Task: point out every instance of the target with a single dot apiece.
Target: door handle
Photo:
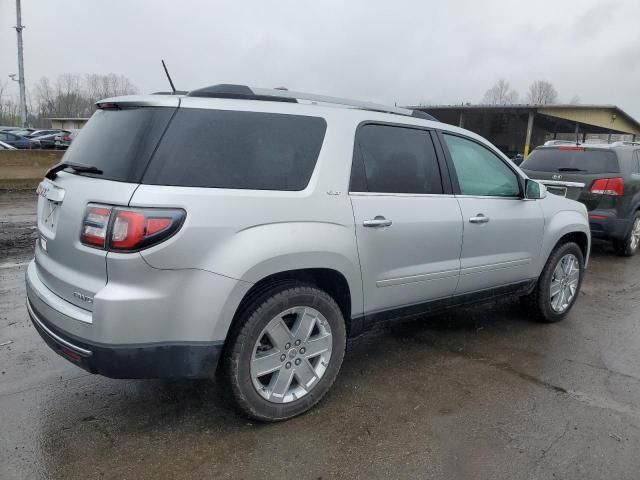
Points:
(378, 221)
(480, 218)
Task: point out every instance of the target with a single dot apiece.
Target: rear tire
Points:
(279, 333)
(558, 286)
(628, 246)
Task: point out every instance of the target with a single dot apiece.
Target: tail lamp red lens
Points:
(124, 229)
(608, 186)
(94, 226)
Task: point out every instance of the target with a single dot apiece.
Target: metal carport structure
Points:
(519, 128)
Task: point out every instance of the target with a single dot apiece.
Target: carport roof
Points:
(68, 118)
(602, 117)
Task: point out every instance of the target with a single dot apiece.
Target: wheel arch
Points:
(565, 226)
(580, 238)
(329, 280)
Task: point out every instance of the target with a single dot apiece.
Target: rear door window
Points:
(120, 142)
(578, 160)
(234, 149)
(394, 159)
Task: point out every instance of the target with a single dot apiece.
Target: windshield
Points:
(120, 142)
(571, 160)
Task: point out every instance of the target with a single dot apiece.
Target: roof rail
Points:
(619, 144)
(560, 142)
(277, 95)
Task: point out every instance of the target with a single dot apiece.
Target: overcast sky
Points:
(388, 51)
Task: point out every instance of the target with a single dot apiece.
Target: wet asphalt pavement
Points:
(480, 393)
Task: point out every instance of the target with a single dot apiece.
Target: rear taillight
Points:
(126, 230)
(608, 186)
(94, 226)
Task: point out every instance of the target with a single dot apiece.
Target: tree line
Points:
(68, 95)
(72, 95)
(540, 92)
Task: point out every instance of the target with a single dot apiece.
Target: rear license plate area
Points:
(49, 204)
(49, 215)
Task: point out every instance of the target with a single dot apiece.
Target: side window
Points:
(480, 171)
(636, 161)
(389, 159)
(3, 136)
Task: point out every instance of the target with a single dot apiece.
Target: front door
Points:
(409, 232)
(502, 231)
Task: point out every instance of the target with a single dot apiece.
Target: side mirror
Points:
(534, 190)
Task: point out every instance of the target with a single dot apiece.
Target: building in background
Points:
(66, 123)
(518, 129)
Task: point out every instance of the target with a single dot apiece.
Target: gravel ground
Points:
(481, 393)
(17, 225)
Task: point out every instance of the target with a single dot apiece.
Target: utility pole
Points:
(23, 96)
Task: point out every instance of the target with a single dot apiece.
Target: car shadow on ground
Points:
(139, 405)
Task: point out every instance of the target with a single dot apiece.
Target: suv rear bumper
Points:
(136, 360)
(131, 361)
(607, 225)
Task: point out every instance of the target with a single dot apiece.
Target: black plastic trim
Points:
(238, 92)
(423, 115)
(408, 312)
(155, 360)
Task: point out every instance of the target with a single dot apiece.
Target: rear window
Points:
(232, 149)
(559, 160)
(120, 142)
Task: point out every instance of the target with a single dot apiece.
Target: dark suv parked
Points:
(606, 178)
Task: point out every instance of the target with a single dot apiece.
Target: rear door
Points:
(502, 231)
(119, 142)
(408, 227)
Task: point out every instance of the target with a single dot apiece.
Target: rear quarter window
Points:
(568, 160)
(239, 150)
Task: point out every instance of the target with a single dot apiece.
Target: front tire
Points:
(286, 352)
(628, 246)
(558, 285)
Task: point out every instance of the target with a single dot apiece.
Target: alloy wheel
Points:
(564, 282)
(291, 354)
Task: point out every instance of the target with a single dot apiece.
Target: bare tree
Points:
(70, 98)
(500, 94)
(575, 100)
(542, 93)
(9, 108)
(111, 85)
(75, 96)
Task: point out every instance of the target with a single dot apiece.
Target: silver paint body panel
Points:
(188, 288)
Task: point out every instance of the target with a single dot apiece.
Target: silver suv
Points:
(249, 232)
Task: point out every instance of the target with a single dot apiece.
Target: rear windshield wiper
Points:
(570, 169)
(78, 167)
